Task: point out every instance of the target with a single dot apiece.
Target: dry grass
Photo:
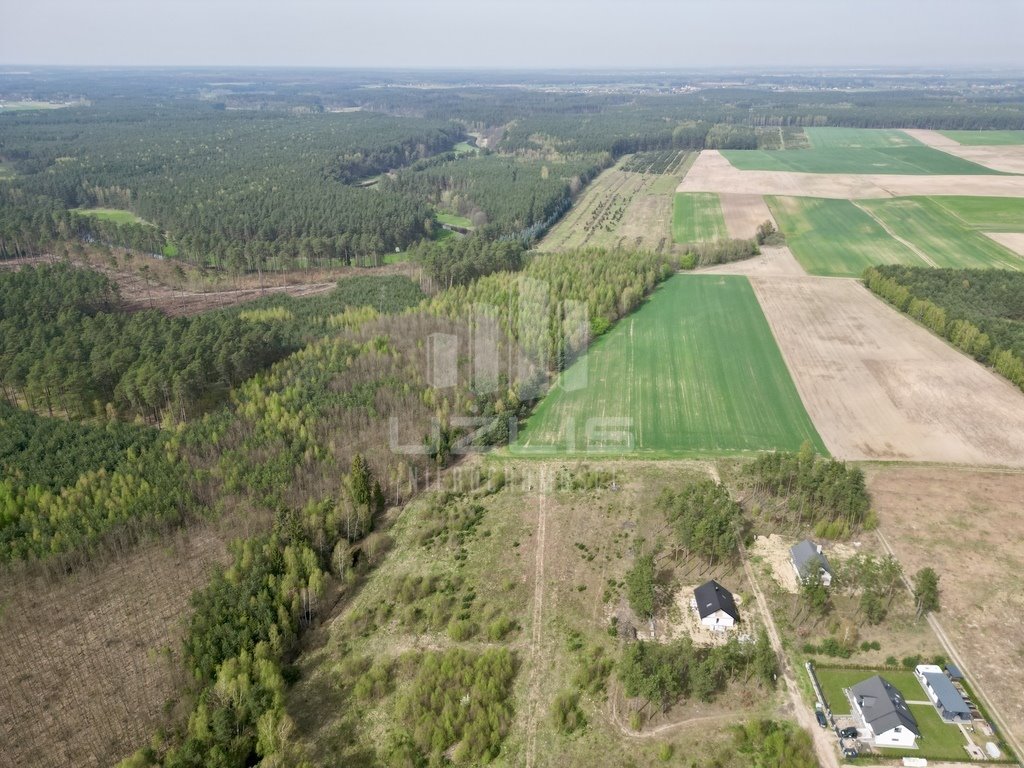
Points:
(967, 525)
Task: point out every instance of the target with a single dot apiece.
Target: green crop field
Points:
(985, 138)
(987, 214)
(836, 238)
(857, 150)
(697, 218)
(945, 239)
(115, 215)
(839, 238)
(694, 371)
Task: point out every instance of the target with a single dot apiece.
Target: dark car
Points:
(849, 752)
(848, 733)
(821, 718)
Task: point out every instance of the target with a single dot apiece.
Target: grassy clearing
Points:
(857, 150)
(836, 238)
(947, 240)
(28, 105)
(695, 371)
(6, 172)
(464, 148)
(453, 220)
(985, 138)
(697, 218)
(115, 215)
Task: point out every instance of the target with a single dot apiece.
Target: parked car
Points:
(848, 733)
(820, 715)
(849, 752)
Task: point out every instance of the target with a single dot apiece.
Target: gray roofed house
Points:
(885, 712)
(946, 697)
(805, 556)
(715, 605)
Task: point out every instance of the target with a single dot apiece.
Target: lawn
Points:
(697, 218)
(836, 238)
(938, 740)
(834, 679)
(694, 371)
(115, 215)
(454, 221)
(934, 230)
(985, 138)
(857, 150)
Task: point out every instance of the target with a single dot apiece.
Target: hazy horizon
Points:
(529, 35)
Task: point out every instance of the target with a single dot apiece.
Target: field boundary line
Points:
(921, 254)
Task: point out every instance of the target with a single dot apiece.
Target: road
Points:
(825, 744)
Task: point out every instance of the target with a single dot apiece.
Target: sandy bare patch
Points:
(1012, 240)
(776, 261)
(713, 173)
(967, 525)
(1008, 158)
(775, 551)
(744, 214)
(879, 386)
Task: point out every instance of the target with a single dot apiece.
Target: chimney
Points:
(818, 547)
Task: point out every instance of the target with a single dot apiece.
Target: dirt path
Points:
(950, 649)
(538, 616)
(823, 739)
(920, 254)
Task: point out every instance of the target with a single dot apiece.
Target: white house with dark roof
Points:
(943, 694)
(715, 606)
(805, 557)
(888, 720)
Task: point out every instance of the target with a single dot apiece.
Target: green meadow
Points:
(857, 150)
(694, 371)
(697, 218)
(115, 215)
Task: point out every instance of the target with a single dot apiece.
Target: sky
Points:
(500, 34)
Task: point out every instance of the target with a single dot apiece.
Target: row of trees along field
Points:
(517, 197)
(980, 311)
(802, 489)
(533, 307)
(234, 189)
(65, 347)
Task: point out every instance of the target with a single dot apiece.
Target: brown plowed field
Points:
(1007, 158)
(879, 386)
(713, 173)
(744, 214)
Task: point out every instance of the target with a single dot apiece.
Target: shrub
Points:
(566, 714)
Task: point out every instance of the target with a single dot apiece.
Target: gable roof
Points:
(711, 597)
(805, 554)
(949, 697)
(883, 705)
